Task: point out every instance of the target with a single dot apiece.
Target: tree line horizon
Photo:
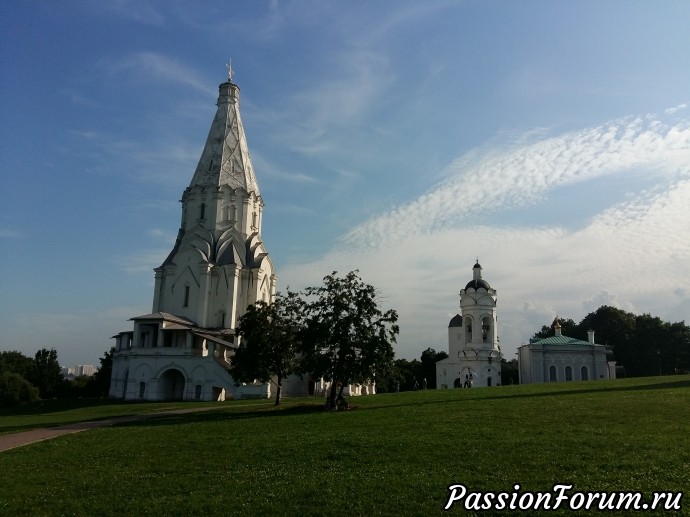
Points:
(338, 332)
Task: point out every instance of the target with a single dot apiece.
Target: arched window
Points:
(486, 329)
(584, 373)
(568, 373)
(202, 212)
(552, 374)
(468, 330)
(142, 389)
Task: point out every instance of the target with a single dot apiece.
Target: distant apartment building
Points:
(78, 370)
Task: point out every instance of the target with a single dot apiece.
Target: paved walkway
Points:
(12, 441)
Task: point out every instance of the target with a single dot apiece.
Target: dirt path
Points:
(12, 441)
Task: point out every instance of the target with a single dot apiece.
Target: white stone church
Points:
(217, 268)
(474, 355)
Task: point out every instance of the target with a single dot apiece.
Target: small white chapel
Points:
(561, 358)
(474, 355)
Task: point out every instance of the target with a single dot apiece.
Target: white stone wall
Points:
(536, 362)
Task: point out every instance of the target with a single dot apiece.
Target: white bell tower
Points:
(473, 349)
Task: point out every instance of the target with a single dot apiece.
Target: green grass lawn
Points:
(392, 454)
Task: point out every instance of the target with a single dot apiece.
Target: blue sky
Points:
(400, 138)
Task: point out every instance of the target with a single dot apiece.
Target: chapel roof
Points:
(560, 340)
(225, 159)
(455, 321)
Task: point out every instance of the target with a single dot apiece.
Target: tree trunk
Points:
(279, 389)
(331, 395)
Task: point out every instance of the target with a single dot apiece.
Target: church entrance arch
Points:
(171, 385)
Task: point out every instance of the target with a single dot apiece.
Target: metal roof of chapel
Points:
(560, 340)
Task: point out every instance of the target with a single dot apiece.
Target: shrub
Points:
(15, 389)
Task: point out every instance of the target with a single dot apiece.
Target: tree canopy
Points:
(270, 341)
(348, 339)
(336, 331)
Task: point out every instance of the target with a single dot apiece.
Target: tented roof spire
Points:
(225, 159)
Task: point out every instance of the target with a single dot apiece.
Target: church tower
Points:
(473, 349)
(217, 268)
(218, 265)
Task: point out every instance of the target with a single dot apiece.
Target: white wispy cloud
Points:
(629, 254)
(156, 66)
(8, 233)
(162, 235)
(671, 111)
(323, 114)
(520, 176)
(288, 208)
(139, 11)
(143, 262)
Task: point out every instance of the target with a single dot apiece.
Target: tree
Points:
(400, 377)
(99, 384)
(568, 328)
(47, 374)
(348, 339)
(509, 372)
(429, 359)
(15, 389)
(16, 362)
(270, 337)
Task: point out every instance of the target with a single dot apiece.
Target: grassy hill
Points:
(391, 454)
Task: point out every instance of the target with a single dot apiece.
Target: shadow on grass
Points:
(231, 411)
(55, 406)
(223, 415)
(479, 394)
(48, 412)
(229, 414)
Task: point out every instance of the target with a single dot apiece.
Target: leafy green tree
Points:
(348, 339)
(270, 341)
(568, 328)
(429, 359)
(401, 376)
(99, 384)
(16, 362)
(676, 358)
(509, 372)
(15, 389)
(47, 374)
